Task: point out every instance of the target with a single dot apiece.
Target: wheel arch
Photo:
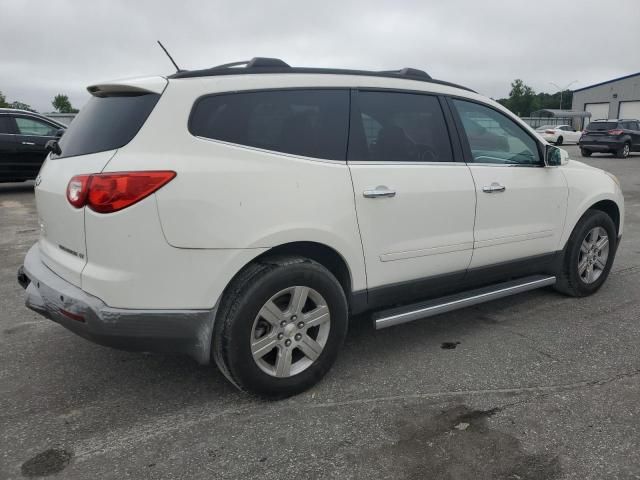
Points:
(610, 208)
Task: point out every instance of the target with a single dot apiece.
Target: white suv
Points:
(242, 213)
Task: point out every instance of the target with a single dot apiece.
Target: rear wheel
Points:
(280, 326)
(623, 152)
(588, 256)
(585, 153)
(559, 141)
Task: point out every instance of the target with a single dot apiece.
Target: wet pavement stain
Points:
(457, 444)
(46, 463)
(449, 345)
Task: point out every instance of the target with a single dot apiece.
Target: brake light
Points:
(615, 132)
(110, 192)
(549, 131)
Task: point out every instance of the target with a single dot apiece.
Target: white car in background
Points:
(559, 134)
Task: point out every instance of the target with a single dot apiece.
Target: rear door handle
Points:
(28, 143)
(495, 187)
(381, 191)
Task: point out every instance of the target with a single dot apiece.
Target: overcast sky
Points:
(61, 46)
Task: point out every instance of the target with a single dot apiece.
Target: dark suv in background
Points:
(23, 137)
(611, 136)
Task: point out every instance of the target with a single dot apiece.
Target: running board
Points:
(416, 311)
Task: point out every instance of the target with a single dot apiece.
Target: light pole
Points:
(562, 89)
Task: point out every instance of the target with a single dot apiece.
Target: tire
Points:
(249, 324)
(585, 153)
(623, 152)
(559, 141)
(572, 278)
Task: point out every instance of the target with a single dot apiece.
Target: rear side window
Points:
(399, 127)
(107, 123)
(311, 123)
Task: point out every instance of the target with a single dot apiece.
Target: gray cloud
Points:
(64, 45)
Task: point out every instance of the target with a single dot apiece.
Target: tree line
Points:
(60, 102)
(523, 100)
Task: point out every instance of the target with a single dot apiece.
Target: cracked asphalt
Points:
(540, 386)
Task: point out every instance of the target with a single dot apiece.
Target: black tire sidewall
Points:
(559, 141)
(585, 153)
(237, 333)
(591, 219)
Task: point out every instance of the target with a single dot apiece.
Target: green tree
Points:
(21, 106)
(3, 101)
(62, 104)
(522, 99)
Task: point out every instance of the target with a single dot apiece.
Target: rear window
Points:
(311, 123)
(602, 126)
(107, 123)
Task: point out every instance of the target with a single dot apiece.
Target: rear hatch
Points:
(111, 118)
(599, 130)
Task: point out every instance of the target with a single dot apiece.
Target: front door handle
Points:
(28, 143)
(495, 187)
(381, 191)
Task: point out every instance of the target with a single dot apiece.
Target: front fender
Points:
(588, 186)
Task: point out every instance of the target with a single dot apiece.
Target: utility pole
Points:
(562, 89)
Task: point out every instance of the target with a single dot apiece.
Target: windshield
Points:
(107, 123)
(601, 126)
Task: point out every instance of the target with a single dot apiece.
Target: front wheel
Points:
(588, 256)
(280, 326)
(585, 153)
(559, 141)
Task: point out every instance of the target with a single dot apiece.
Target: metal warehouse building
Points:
(617, 98)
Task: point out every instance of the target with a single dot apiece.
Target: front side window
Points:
(29, 126)
(311, 123)
(495, 138)
(399, 127)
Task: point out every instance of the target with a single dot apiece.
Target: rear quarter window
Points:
(311, 123)
(106, 123)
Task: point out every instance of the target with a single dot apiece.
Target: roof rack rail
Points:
(257, 62)
(275, 65)
(408, 72)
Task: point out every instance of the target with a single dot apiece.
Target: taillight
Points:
(549, 131)
(77, 190)
(615, 132)
(110, 192)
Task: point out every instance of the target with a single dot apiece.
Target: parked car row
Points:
(23, 139)
(618, 136)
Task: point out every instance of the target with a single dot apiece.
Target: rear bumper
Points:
(600, 146)
(170, 331)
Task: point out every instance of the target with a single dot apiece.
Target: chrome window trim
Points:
(391, 162)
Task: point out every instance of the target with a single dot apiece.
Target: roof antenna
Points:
(170, 57)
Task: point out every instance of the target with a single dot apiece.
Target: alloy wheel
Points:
(290, 331)
(594, 252)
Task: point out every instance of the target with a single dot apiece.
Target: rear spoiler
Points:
(134, 86)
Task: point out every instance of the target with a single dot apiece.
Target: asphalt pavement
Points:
(535, 386)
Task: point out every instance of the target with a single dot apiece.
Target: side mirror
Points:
(554, 156)
(53, 147)
(60, 132)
